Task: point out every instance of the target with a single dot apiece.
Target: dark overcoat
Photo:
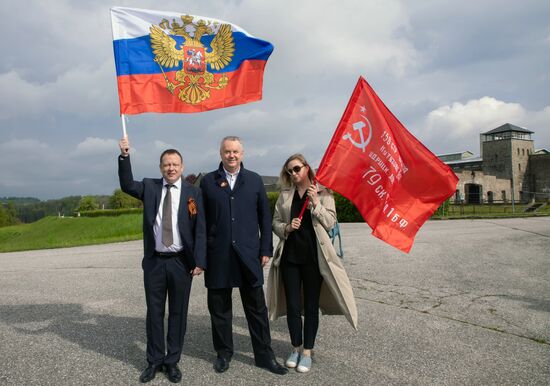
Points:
(191, 227)
(237, 220)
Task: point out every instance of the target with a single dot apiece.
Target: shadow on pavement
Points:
(121, 338)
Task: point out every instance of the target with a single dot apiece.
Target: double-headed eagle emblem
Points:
(193, 80)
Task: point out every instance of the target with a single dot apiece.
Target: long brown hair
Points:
(284, 179)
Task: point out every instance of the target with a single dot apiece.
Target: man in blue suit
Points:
(174, 244)
(239, 244)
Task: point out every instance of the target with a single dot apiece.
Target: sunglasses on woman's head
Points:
(295, 169)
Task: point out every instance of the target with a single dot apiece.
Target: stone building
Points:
(507, 169)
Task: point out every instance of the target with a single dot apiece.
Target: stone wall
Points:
(537, 178)
(488, 183)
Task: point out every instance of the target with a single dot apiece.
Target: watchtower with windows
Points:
(505, 152)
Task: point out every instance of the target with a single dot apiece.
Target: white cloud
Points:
(96, 146)
(23, 97)
(24, 162)
(238, 123)
(161, 145)
(49, 38)
(323, 37)
(459, 120)
(47, 170)
(457, 126)
(80, 91)
(27, 147)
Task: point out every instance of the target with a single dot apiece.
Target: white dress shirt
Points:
(177, 245)
(231, 177)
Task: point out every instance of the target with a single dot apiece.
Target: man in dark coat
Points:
(174, 243)
(239, 244)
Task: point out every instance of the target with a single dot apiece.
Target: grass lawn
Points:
(490, 211)
(56, 232)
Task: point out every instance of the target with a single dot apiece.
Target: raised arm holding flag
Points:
(174, 244)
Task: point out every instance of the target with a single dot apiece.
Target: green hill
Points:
(57, 232)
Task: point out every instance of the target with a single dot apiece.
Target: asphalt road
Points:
(470, 305)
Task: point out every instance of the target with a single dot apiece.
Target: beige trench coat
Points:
(336, 293)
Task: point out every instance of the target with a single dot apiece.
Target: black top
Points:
(301, 244)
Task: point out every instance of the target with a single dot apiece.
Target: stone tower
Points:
(505, 152)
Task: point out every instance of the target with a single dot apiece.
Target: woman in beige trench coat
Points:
(307, 275)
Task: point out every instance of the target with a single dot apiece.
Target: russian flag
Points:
(168, 62)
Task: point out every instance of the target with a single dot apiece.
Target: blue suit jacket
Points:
(191, 228)
(238, 219)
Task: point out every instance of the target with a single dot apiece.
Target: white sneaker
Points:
(304, 365)
(292, 359)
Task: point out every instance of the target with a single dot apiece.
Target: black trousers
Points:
(298, 277)
(166, 276)
(221, 316)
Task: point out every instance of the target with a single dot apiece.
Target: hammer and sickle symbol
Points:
(359, 125)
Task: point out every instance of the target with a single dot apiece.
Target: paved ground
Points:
(470, 305)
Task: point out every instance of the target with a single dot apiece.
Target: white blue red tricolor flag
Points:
(168, 62)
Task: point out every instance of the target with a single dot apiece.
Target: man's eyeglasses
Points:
(296, 169)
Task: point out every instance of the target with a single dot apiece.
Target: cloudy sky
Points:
(448, 70)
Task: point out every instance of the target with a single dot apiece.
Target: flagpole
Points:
(124, 134)
(304, 208)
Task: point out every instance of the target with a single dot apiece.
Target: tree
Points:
(120, 200)
(87, 203)
(7, 215)
(4, 220)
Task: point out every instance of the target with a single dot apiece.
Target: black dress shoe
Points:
(172, 372)
(221, 365)
(273, 366)
(149, 373)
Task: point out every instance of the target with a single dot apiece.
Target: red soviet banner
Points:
(395, 182)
